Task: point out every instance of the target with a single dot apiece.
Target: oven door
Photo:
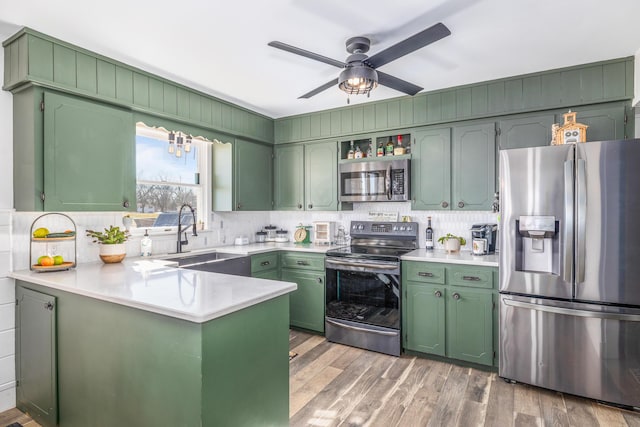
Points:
(363, 303)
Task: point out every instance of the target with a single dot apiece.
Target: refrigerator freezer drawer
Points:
(583, 349)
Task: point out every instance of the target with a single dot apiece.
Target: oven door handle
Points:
(388, 266)
(355, 328)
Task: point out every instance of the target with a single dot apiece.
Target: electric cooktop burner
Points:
(369, 252)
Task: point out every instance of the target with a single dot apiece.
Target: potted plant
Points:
(111, 241)
(452, 242)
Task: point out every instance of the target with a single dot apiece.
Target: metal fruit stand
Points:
(51, 242)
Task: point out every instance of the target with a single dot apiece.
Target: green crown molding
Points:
(594, 83)
(33, 58)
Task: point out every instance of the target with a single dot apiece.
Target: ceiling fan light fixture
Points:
(358, 79)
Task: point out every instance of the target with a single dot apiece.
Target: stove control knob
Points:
(395, 228)
(402, 228)
(408, 228)
(360, 227)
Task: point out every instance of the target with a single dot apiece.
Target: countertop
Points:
(159, 287)
(257, 248)
(463, 257)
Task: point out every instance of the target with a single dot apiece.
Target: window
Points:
(166, 178)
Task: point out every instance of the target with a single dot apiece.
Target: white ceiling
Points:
(221, 48)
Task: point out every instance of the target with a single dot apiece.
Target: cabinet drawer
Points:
(477, 277)
(424, 272)
(264, 262)
(302, 261)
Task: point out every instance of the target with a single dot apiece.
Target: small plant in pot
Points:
(111, 241)
(452, 242)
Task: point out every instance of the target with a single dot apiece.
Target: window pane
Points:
(155, 163)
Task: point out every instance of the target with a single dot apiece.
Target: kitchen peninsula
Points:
(144, 342)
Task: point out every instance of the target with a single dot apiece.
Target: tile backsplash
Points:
(224, 227)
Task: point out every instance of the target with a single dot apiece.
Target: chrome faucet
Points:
(180, 230)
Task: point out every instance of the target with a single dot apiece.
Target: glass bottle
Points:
(429, 235)
(389, 149)
(399, 149)
(351, 153)
(380, 150)
(370, 150)
(358, 153)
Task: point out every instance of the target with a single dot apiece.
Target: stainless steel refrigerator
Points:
(570, 269)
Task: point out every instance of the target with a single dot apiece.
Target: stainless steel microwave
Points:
(375, 181)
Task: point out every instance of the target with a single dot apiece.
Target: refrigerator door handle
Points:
(573, 312)
(581, 226)
(567, 269)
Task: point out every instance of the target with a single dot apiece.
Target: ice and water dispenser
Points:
(537, 244)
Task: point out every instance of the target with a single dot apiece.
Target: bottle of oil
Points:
(429, 235)
(389, 148)
(351, 154)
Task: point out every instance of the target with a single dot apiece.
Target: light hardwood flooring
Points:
(332, 385)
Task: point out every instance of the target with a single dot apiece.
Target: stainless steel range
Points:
(363, 286)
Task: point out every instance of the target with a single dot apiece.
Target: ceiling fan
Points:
(360, 74)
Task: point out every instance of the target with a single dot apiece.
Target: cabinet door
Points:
(604, 123)
(424, 318)
(89, 152)
(306, 304)
(473, 166)
(431, 169)
(528, 131)
(470, 325)
(36, 356)
(268, 274)
(253, 176)
(321, 176)
(289, 177)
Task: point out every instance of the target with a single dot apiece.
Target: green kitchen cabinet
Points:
(431, 169)
(252, 176)
(289, 177)
(605, 122)
(424, 320)
(469, 325)
(74, 155)
(473, 165)
(306, 304)
(36, 368)
(449, 310)
(266, 266)
(525, 131)
(321, 176)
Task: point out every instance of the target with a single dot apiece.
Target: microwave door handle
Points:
(387, 182)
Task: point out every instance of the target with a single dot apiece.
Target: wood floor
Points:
(332, 384)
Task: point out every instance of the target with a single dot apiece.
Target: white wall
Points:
(7, 292)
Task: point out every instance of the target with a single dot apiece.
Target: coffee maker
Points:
(483, 239)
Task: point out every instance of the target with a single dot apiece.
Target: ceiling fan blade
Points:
(317, 90)
(397, 84)
(413, 43)
(306, 53)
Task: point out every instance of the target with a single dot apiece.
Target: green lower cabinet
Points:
(424, 320)
(36, 369)
(470, 324)
(269, 274)
(306, 304)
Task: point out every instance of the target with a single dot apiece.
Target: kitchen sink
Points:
(215, 262)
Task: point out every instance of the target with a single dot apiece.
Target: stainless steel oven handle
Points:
(362, 264)
(355, 328)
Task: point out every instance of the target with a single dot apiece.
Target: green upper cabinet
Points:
(525, 131)
(321, 176)
(289, 177)
(431, 169)
(473, 166)
(89, 156)
(253, 176)
(605, 123)
(306, 176)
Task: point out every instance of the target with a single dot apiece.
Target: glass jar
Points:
(271, 233)
(261, 236)
(282, 236)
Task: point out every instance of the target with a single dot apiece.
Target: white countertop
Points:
(462, 257)
(257, 248)
(156, 286)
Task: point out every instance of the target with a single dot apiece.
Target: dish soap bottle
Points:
(145, 244)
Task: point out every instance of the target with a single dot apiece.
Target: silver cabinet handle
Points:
(567, 267)
(319, 280)
(299, 205)
(461, 204)
(438, 294)
(238, 206)
(425, 274)
(444, 204)
(310, 205)
(48, 306)
(302, 262)
(456, 296)
(125, 204)
(471, 278)
(263, 263)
